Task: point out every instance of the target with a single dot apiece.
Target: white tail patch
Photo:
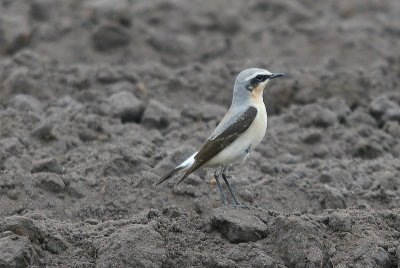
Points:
(188, 162)
(185, 165)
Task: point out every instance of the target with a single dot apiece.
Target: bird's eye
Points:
(260, 78)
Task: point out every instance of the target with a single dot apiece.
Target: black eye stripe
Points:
(261, 78)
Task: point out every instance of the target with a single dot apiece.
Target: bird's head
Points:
(250, 84)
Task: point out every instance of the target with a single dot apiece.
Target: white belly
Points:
(249, 139)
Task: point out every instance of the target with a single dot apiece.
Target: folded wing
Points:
(230, 131)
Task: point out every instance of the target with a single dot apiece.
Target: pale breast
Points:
(259, 127)
(250, 138)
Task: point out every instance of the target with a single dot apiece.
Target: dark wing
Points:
(216, 144)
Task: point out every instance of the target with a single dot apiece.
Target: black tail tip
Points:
(160, 181)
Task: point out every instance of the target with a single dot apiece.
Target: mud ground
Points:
(98, 99)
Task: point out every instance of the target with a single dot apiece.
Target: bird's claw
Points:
(238, 205)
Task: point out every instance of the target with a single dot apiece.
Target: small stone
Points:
(39, 10)
(359, 117)
(87, 135)
(7, 183)
(183, 189)
(30, 59)
(320, 151)
(13, 194)
(44, 131)
(69, 104)
(367, 150)
(193, 180)
(49, 181)
(92, 221)
(317, 116)
(106, 74)
(292, 179)
(116, 11)
(15, 33)
(237, 254)
(393, 114)
(381, 257)
(47, 165)
(172, 212)
(340, 222)
(199, 207)
(169, 44)
(17, 251)
(91, 181)
(332, 198)
(396, 150)
(55, 243)
(21, 82)
(127, 107)
(12, 145)
(312, 138)
(238, 225)
(393, 128)
(121, 86)
(22, 226)
(338, 106)
(270, 169)
(75, 189)
(288, 158)
(224, 263)
(325, 177)
(109, 36)
(228, 22)
(157, 115)
(27, 103)
(247, 195)
(95, 123)
(380, 106)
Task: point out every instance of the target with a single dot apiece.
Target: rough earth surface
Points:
(98, 99)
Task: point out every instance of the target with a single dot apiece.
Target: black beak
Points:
(275, 75)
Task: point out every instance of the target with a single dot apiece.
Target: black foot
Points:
(241, 206)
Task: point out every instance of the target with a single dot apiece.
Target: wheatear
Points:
(240, 131)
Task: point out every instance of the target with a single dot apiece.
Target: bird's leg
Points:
(225, 177)
(217, 174)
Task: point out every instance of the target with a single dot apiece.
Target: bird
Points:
(238, 133)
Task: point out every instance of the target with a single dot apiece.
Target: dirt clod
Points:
(237, 228)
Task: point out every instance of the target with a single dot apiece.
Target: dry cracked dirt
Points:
(98, 99)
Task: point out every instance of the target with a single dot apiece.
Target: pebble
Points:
(127, 107)
(238, 225)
